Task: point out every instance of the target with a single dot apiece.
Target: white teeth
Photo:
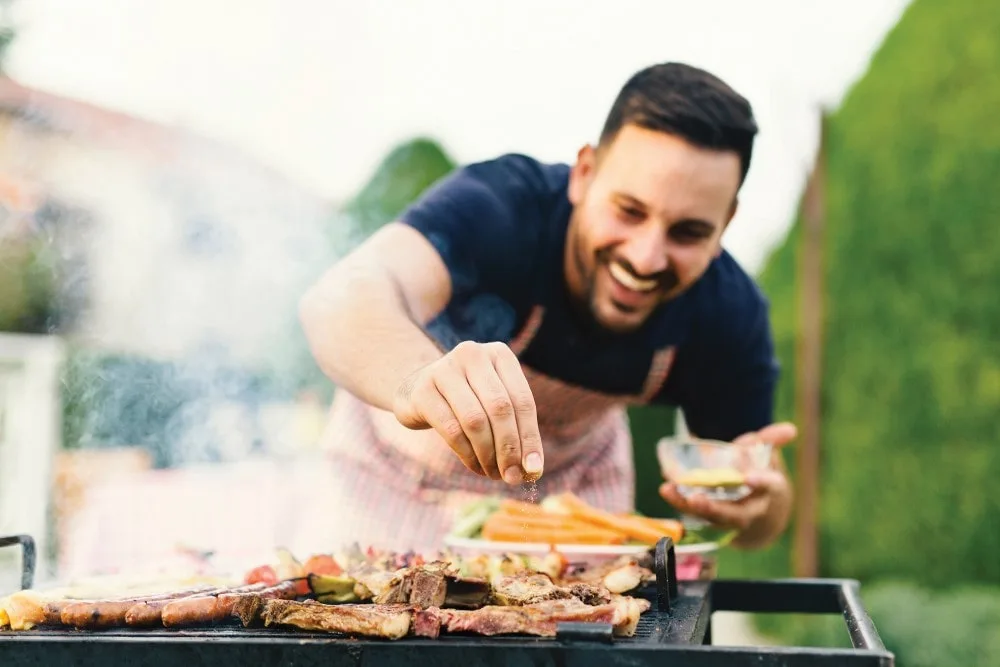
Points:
(623, 276)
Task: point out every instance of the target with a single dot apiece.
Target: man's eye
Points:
(688, 233)
(631, 213)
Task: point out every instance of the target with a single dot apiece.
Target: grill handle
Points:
(27, 557)
(665, 569)
(801, 596)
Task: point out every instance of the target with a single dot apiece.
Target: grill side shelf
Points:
(27, 544)
(803, 596)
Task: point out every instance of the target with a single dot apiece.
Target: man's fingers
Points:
(779, 435)
(765, 480)
(505, 442)
(720, 513)
(671, 495)
(532, 458)
(440, 415)
(474, 421)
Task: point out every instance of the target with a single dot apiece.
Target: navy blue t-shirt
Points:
(500, 227)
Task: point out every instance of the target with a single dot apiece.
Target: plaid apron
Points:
(394, 488)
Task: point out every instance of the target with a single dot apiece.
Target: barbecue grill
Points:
(676, 631)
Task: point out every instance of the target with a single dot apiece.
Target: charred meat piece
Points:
(421, 586)
(620, 576)
(428, 588)
(590, 593)
(520, 590)
(466, 593)
(249, 606)
(367, 620)
(375, 583)
(627, 613)
(539, 619)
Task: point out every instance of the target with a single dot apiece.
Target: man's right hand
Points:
(477, 398)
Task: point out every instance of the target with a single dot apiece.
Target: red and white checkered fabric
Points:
(395, 488)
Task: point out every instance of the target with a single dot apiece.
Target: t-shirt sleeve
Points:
(476, 218)
(725, 382)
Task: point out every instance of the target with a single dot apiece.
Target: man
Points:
(497, 331)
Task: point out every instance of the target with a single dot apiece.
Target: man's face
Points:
(649, 210)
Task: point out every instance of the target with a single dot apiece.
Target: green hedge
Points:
(911, 385)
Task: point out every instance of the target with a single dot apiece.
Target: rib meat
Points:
(525, 589)
(367, 620)
(540, 619)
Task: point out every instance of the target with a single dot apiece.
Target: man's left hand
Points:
(763, 515)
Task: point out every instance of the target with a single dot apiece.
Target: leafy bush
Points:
(911, 383)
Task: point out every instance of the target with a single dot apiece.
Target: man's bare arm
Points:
(362, 317)
(362, 320)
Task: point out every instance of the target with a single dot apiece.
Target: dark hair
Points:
(688, 102)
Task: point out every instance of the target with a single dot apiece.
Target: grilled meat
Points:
(466, 593)
(520, 590)
(367, 620)
(210, 609)
(627, 613)
(95, 614)
(540, 619)
(620, 576)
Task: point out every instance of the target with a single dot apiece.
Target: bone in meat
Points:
(368, 620)
(526, 589)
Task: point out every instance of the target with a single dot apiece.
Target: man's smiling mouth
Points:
(627, 279)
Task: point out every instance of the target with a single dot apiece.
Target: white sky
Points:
(322, 89)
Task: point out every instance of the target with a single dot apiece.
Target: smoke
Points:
(185, 299)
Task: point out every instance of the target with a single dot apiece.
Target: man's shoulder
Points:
(727, 299)
(520, 175)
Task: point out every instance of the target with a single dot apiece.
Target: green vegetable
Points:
(332, 589)
(470, 520)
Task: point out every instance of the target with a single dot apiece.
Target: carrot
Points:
(564, 530)
(627, 526)
(545, 535)
(547, 523)
(671, 528)
(520, 507)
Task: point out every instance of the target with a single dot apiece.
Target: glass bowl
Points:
(713, 468)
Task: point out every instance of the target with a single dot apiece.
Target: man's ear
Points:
(581, 174)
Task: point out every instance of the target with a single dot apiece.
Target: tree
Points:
(911, 384)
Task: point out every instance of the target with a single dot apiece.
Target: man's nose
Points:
(646, 251)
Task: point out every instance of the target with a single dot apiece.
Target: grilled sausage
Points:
(206, 609)
(148, 613)
(95, 614)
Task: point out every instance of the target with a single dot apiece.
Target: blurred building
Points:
(168, 242)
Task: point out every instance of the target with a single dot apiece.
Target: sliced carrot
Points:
(547, 536)
(628, 526)
(534, 529)
(548, 523)
(671, 528)
(550, 520)
(521, 507)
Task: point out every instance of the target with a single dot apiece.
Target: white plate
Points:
(586, 552)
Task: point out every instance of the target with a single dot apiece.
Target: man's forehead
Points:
(660, 169)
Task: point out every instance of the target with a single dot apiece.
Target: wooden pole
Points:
(809, 384)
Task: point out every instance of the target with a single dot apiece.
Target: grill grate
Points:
(674, 631)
